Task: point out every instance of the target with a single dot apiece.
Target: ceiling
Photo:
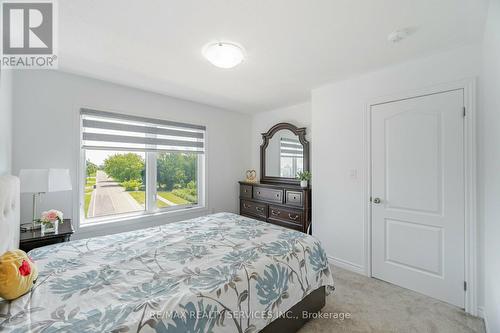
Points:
(291, 45)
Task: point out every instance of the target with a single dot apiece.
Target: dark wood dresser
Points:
(285, 205)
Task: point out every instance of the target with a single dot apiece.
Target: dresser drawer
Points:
(253, 208)
(246, 191)
(294, 198)
(268, 194)
(282, 223)
(255, 217)
(287, 215)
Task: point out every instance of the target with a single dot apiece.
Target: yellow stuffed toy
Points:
(18, 274)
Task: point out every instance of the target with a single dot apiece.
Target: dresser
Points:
(284, 205)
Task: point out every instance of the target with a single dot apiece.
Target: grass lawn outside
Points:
(90, 181)
(161, 204)
(173, 198)
(88, 196)
(140, 197)
(89, 185)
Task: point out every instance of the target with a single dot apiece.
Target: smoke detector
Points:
(400, 34)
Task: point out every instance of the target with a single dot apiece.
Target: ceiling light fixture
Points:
(223, 54)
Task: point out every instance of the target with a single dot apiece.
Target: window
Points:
(135, 166)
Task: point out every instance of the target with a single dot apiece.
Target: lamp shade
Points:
(44, 180)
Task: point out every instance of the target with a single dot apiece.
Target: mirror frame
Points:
(301, 133)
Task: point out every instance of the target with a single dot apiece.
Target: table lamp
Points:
(38, 181)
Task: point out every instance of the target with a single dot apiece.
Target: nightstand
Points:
(34, 239)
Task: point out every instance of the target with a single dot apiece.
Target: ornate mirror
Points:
(283, 153)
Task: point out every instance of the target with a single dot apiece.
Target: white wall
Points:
(298, 115)
(489, 165)
(338, 151)
(5, 122)
(46, 132)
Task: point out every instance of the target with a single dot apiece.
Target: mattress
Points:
(217, 273)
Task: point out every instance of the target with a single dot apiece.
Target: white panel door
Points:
(418, 219)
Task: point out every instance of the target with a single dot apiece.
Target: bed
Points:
(217, 273)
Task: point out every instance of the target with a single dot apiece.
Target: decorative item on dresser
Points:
(31, 239)
(278, 198)
(251, 176)
(304, 177)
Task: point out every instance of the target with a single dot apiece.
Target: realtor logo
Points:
(28, 35)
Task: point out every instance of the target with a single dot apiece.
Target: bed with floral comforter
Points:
(217, 273)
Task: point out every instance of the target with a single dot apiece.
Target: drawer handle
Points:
(275, 212)
(277, 195)
(293, 217)
(246, 191)
(259, 209)
(246, 206)
(258, 192)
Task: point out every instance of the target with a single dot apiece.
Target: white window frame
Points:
(150, 189)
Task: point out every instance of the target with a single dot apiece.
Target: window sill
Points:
(130, 222)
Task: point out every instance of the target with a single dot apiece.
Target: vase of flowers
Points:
(304, 177)
(50, 221)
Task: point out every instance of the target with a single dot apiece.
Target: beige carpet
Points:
(377, 306)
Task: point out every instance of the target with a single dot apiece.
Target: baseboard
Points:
(347, 265)
(482, 313)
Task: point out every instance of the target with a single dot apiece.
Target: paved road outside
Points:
(110, 197)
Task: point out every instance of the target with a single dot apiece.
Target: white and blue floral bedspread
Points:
(217, 273)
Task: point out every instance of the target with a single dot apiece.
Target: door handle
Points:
(377, 200)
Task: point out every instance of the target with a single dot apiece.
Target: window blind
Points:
(111, 131)
(290, 148)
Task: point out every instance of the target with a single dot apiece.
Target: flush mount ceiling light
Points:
(223, 54)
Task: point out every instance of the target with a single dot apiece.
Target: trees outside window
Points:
(176, 180)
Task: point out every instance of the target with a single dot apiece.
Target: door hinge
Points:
(465, 113)
(465, 285)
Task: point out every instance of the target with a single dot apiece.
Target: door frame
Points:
(469, 92)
